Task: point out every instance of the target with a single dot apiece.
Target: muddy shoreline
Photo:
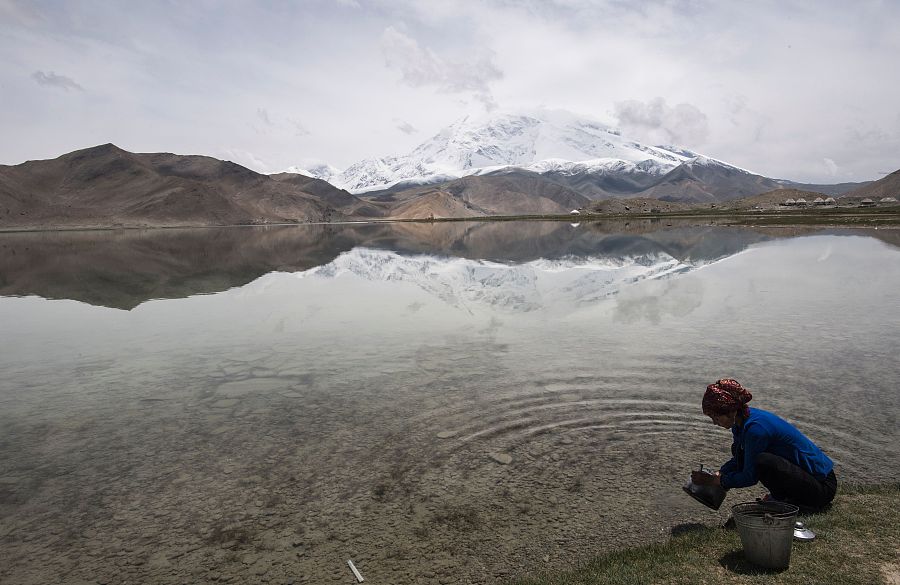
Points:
(848, 217)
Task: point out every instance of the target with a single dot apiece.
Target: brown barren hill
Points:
(888, 186)
(773, 198)
(349, 204)
(106, 186)
(704, 180)
(435, 204)
(639, 205)
(517, 193)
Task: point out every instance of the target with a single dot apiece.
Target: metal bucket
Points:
(767, 531)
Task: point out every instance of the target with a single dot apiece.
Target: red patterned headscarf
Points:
(725, 396)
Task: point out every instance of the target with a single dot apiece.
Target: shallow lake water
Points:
(440, 403)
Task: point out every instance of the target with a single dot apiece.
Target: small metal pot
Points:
(710, 496)
(801, 532)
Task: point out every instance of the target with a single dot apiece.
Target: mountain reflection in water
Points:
(454, 402)
(126, 268)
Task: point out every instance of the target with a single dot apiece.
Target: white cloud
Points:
(274, 124)
(246, 159)
(775, 87)
(657, 122)
(404, 126)
(51, 79)
(420, 66)
(299, 128)
(20, 12)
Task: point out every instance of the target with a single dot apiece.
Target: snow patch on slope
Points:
(322, 171)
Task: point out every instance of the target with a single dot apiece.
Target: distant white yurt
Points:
(818, 201)
(790, 202)
(866, 202)
(888, 200)
(801, 201)
(829, 201)
(574, 212)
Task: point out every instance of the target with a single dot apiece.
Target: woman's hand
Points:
(703, 478)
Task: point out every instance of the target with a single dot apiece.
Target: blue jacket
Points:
(764, 432)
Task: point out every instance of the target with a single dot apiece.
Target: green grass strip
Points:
(857, 543)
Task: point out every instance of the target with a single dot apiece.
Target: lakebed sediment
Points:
(245, 481)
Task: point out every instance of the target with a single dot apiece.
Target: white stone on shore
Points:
(502, 458)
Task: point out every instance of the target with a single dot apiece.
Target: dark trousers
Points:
(792, 484)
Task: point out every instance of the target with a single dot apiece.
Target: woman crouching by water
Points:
(767, 449)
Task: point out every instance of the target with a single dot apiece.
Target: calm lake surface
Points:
(446, 403)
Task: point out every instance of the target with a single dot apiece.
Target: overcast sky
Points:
(808, 91)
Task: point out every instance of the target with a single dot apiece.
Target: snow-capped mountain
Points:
(543, 141)
(322, 171)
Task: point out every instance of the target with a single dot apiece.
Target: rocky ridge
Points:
(106, 186)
